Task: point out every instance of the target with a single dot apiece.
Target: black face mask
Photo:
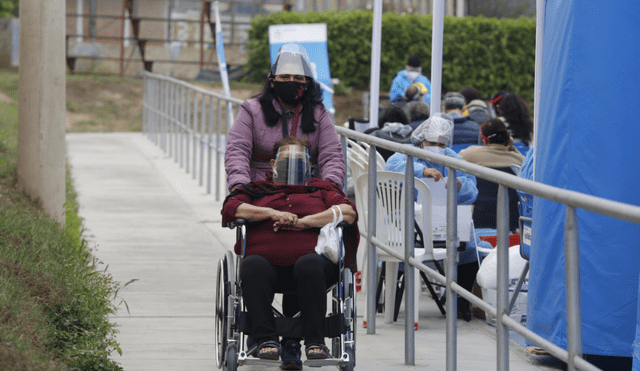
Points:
(290, 92)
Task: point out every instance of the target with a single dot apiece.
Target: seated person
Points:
(475, 108)
(499, 153)
(417, 111)
(411, 94)
(497, 149)
(465, 130)
(285, 213)
(434, 135)
(393, 125)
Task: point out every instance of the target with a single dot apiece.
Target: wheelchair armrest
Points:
(232, 225)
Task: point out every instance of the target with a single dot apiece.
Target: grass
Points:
(54, 301)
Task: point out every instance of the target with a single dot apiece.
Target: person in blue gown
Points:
(435, 135)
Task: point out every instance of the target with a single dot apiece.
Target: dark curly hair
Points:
(514, 110)
(392, 113)
(311, 99)
(470, 93)
(495, 131)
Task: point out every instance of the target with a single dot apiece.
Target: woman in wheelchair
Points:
(284, 214)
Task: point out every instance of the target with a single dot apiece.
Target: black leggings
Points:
(309, 278)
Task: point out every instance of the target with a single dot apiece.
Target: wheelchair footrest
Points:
(323, 362)
(334, 325)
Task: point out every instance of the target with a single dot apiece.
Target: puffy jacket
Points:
(465, 131)
(250, 145)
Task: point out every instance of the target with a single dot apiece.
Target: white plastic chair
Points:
(390, 224)
(362, 149)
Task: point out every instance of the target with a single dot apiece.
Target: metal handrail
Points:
(186, 122)
(573, 200)
(179, 125)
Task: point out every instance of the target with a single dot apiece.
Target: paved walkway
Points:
(148, 220)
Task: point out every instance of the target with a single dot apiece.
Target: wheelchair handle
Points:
(234, 224)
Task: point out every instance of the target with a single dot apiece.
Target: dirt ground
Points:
(115, 104)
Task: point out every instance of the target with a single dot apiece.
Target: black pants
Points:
(309, 278)
(466, 278)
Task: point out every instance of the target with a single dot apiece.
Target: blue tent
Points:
(588, 140)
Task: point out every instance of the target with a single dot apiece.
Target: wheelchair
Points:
(232, 328)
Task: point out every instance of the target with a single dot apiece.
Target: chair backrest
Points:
(357, 165)
(357, 147)
(381, 162)
(390, 218)
(485, 206)
(525, 237)
(363, 154)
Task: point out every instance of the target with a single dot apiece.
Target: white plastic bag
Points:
(328, 239)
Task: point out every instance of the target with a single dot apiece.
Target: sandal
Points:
(269, 349)
(317, 351)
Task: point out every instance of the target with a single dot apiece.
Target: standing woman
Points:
(290, 104)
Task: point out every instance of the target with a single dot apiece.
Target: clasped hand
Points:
(287, 221)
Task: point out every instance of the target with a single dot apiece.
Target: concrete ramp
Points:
(149, 220)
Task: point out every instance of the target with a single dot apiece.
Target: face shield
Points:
(292, 165)
(292, 59)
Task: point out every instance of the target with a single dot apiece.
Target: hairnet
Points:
(436, 129)
(292, 59)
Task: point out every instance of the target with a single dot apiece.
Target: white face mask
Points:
(413, 75)
(435, 149)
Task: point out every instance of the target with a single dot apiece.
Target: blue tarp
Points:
(635, 348)
(588, 141)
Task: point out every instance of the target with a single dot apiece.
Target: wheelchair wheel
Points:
(351, 314)
(231, 361)
(222, 294)
(225, 289)
(349, 366)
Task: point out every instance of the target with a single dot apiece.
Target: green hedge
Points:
(490, 54)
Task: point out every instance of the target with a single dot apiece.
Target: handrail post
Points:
(210, 147)
(194, 134)
(145, 95)
(371, 228)
(203, 125)
(411, 317)
(183, 121)
(218, 149)
(343, 144)
(572, 273)
(451, 270)
(176, 120)
(502, 296)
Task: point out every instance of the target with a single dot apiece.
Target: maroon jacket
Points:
(284, 248)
